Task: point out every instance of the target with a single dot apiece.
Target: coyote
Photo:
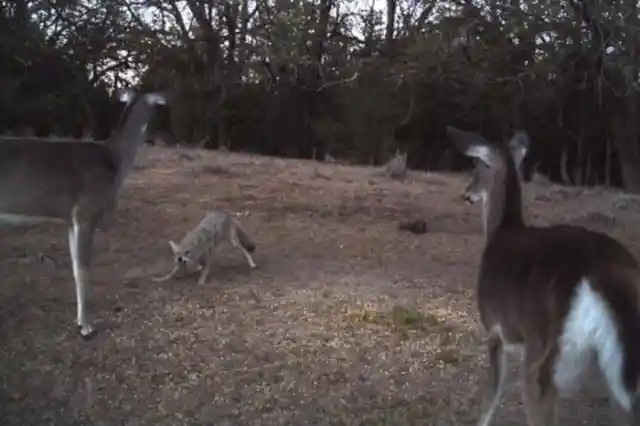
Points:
(199, 244)
(397, 166)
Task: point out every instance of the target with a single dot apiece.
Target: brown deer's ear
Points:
(156, 98)
(125, 95)
(519, 146)
(472, 145)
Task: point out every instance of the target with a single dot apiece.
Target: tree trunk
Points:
(213, 91)
(625, 139)
(391, 26)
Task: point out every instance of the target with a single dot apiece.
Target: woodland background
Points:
(353, 79)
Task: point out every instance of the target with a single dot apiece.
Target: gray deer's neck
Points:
(131, 134)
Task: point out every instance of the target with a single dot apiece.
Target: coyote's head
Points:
(181, 257)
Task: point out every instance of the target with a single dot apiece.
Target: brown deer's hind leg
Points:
(538, 389)
(622, 417)
(80, 247)
(497, 373)
(621, 398)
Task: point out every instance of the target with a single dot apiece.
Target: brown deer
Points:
(565, 296)
(75, 182)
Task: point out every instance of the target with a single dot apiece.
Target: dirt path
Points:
(346, 321)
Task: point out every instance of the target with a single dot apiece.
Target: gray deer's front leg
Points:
(80, 246)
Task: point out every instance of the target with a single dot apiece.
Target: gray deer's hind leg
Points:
(80, 246)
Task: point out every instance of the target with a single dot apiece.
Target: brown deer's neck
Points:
(503, 206)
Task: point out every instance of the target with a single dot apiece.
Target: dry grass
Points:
(346, 321)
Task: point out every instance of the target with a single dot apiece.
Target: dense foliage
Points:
(356, 80)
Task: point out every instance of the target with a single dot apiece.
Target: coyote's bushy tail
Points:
(244, 239)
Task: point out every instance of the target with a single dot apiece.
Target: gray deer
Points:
(74, 182)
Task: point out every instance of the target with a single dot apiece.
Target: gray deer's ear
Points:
(156, 98)
(519, 146)
(471, 145)
(125, 95)
(174, 247)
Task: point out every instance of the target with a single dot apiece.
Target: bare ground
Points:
(346, 321)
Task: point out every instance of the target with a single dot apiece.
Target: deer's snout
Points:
(470, 197)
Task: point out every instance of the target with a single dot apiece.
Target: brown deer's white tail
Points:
(608, 326)
(566, 296)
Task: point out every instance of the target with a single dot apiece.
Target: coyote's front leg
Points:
(204, 269)
(170, 275)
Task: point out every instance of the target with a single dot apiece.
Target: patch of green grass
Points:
(214, 169)
(449, 356)
(402, 319)
(410, 317)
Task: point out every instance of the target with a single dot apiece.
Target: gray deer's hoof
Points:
(87, 332)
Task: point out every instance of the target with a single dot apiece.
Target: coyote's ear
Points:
(174, 247)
